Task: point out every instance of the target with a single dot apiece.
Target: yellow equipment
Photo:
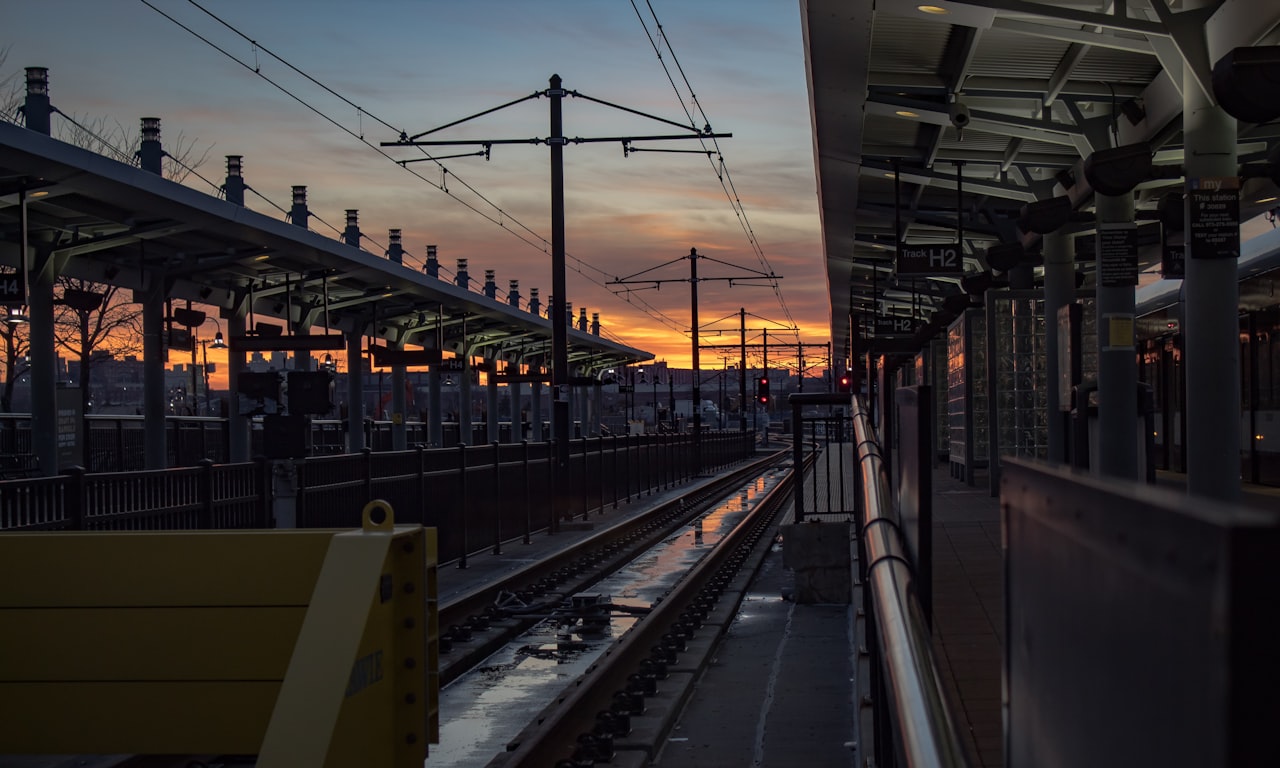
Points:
(305, 647)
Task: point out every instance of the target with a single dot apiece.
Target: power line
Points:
(502, 216)
(722, 170)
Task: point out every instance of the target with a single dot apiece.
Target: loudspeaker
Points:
(286, 436)
(259, 386)
(310, 392)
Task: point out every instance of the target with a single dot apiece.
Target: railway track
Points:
(615, 704)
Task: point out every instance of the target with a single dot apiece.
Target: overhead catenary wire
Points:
(718, 163)
(499, 217)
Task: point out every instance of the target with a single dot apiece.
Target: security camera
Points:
(959, 114)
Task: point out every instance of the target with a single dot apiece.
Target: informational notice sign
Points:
(890, 326)
(1117, 254)
(1213, 222)
(70, 428)
(945, 259)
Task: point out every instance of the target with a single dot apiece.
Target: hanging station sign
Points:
(889, 326)
(945, 259)
(1213, 222)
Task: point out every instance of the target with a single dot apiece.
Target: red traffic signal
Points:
(762, 391)
(844, 383)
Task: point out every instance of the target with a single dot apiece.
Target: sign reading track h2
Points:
(929, 260)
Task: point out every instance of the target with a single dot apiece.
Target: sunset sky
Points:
(419, 65)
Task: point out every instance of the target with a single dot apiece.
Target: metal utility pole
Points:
(695, 331)
(742, 369)
(559, 324)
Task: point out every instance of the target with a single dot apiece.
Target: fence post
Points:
(119, 459)
(586, 486)
(528, 503)
(206, 494)
(265, 517)
(497, 491)
(600, 442)
(368, 473)
(75, 498)
(462, 495)
(422, 479)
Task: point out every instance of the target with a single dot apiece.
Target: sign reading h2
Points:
(930, 260)
(894, 325)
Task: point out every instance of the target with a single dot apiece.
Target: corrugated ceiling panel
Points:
(1116, 67)
(905, 45)
(974, 139)
(890, 131)
(1008, 54)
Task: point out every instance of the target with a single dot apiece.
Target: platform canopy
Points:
(1042, 85)
(114, 223)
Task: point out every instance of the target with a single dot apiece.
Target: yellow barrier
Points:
(306, 647)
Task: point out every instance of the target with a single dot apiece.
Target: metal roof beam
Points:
(145, 232)
(1044, 10)
(996, 87)
(1076, 36)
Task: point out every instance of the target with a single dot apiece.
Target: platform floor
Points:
(968, 609)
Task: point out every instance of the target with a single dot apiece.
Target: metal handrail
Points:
(923, 726)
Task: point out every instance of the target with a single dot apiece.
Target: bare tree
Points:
(111, 138)
(10, 91)
(95, 322)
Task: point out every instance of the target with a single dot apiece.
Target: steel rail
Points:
(572, 723)
(925, 730)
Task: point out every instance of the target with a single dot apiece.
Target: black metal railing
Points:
(208, 496)
(912, 724)
(476, 496)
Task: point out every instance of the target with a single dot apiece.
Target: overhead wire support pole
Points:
(694, 330)
(559, 325)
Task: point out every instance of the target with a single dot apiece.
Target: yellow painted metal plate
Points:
(188, 568)
(135, 644)
(129, 718)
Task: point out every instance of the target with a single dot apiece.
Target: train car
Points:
(1161, 363)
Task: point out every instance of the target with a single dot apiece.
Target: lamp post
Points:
(218, 343)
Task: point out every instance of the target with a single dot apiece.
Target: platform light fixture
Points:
(935, 10)
(906, 113)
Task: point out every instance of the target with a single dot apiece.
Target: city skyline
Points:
(626, 212)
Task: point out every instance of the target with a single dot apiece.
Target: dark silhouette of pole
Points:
(559, 323)
(742, 369)
(697, 367)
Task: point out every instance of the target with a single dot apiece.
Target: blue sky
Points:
(418, 65)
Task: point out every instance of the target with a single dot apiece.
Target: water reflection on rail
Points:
(482, 710)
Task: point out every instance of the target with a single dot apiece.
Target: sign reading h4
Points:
(929, 260)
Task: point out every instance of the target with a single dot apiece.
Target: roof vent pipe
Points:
(351, 234)
(395, 251)
(535, 306)
(299, 214)
(490, 287)
(233, 187)
(595, 323)
(513, 293)
(463, 280)
(432, 267)
(151, 154)
(582, 319)
(36, 108)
